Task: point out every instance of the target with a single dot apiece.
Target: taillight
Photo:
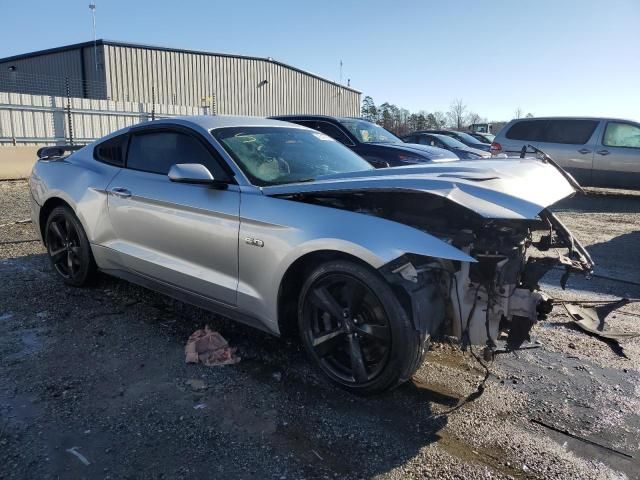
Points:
(495, 148)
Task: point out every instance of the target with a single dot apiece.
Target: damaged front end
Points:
(496, 299)
(496, 212)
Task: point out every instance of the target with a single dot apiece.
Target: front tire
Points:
(68, 248)
(355, 329)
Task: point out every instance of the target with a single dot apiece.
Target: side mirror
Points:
(192, 173)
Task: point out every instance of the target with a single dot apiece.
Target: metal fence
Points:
(27, 119)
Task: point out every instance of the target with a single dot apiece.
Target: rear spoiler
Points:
(45, 153)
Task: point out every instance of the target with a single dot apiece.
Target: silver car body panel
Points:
(502, 188)
(231, 248)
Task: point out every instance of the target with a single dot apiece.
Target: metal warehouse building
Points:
(226, 84)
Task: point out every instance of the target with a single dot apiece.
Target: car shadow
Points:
(600, 204)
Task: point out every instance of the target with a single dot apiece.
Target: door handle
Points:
(584, 151)
(121, 192)
(603, 152)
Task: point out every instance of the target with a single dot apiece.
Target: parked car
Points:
(378, 146)
(599, 152)
(483, 137)
(463, 137)
(448, 143)
(283, 228)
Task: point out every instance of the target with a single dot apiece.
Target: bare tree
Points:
(457, 112)
(473, 118)
(401, 121)
(518, 113)
(439, 119)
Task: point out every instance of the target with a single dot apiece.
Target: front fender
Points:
(288, 230)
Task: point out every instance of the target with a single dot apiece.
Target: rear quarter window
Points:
(531, 130)
(112, 151)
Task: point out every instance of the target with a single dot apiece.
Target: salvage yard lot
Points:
(102, 369)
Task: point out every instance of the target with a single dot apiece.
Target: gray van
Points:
(599, 152)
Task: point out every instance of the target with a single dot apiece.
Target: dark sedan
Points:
(463, 137)
(447, 143)
(378, 146)
(483, 137)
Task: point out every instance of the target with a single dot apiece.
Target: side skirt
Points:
(189, 297)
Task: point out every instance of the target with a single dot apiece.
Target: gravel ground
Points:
(100, 371)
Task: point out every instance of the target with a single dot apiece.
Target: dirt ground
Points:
(98, 374)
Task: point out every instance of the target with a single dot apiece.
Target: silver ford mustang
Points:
(281, 227)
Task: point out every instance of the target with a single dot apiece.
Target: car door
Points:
(616, 161)
(181, 234)
(571, 142)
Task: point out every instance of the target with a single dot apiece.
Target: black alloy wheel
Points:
(352, 325)
(68, 247)
(349, 329)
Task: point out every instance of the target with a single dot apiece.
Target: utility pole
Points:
(92, 7)
(340, 82)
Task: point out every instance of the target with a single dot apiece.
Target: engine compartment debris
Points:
(494, 298)
(209, 348)
(592, 321)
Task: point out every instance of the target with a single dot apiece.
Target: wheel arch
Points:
(291, 284)
(49, 205)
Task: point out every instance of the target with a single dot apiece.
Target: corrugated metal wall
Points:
(239, 86)
(231, 85)
(44, 74)
(43, 120)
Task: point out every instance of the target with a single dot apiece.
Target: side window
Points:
(531, 130)
(575, 132)
(156, 152)
(333, 131)
(410, 139)
(427, 140)
(112, 151)
(619, 134)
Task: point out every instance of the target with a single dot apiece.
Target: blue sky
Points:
(562, 57)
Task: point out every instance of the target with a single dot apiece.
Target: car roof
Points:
(304, 117)
(220, 121)
(436, 130)
(316, 117)
(571, 118)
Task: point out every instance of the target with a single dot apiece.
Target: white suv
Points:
(600, 152)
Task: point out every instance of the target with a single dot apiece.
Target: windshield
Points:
(450, 141)
(466, 137)
(367, 132)
(276, 155)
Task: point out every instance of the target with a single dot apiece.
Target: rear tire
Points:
(68, 248)
(355, 329)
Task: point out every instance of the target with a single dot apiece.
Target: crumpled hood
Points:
(510, 188)
(432, 153)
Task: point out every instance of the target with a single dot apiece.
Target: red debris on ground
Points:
(209, 348)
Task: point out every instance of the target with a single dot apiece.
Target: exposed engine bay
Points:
(497, 297)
